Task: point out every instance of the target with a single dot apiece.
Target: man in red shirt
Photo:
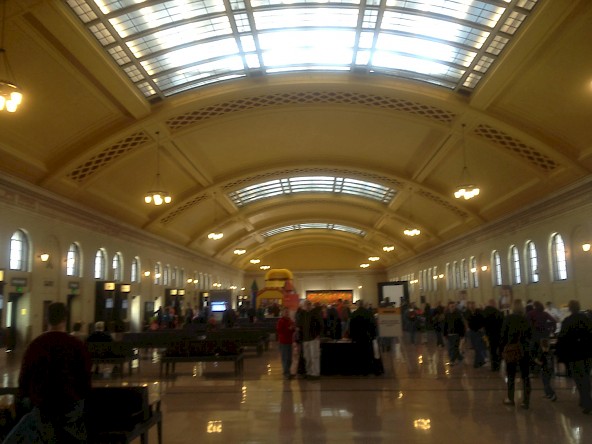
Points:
(55, 377)
(285, 334)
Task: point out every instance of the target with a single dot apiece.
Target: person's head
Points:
(545, 344)
(286, 312)
(77, 326)
(451, 306)
(57, 315)
(573, 306)
(307, 305)
(99, 326)
(492, 303)
(518, 306)
(538, 306)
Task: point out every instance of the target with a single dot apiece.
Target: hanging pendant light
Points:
(10, 94)
(466, 190)
(215, 235)
(157, 194)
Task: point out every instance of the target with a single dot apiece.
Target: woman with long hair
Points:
(515, 346)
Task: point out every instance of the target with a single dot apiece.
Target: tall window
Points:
(532, 262)
(117, 266)
(474, 272)
(174, 281)
(181, 277)
(135, 270)
(19, 251)
(166, 275)
(449, 276)
(465, 273)
(435, 278)
(456, 275)
(515, 265)
(497, 268)
(558, 258)
(157, 273)
(100, 263)
(73, 261)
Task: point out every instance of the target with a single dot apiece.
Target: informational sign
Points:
(390, 322)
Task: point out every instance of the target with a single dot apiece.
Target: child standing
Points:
(545, 359)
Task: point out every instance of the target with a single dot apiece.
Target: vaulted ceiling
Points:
(90, 124)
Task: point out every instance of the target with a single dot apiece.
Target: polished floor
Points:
(419, 399)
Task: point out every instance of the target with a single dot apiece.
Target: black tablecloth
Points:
(349, 358)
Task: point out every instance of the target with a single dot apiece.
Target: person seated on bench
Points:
(55, 379)
(99, 335)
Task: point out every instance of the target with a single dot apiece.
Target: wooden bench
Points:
(204, 350)
(116, 353)
(122, 414)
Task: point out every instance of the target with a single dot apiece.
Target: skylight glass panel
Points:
(312, 184)
(313, 226)
(432, 41)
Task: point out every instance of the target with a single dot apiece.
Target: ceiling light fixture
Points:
(466, 190)
(364, 265)
(265, 267)
(412, 231)
(240, 251)
(255, 261)
(10, 94)
(215, 235)
(374, 258)
(388, 248)
(157, 195)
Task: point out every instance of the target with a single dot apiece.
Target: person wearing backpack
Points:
(574, 348)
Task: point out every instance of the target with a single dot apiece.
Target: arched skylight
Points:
(166, 47)
(311, 184)
(313, 226)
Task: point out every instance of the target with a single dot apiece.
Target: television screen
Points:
(218, 306)
(109, 303)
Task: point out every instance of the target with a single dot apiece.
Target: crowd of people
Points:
(300, 337)
(532, 339)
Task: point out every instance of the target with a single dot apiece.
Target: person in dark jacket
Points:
(574, 348)
(454, 331)
(493, 320)
(476, 326)
(517, 330)
(311, 328)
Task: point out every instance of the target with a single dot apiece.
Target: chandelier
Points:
(466, 190)
(215, 235)
(157, 195)
(10, 94)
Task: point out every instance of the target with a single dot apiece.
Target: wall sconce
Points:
(181, 292)
(440, 276)
(109, 286)
(146, 273)
(474, 270)
(484, 268)
(126, 288)
(189, 281)
(1, 274)
(44, 257)
(173, 292)
(586, 247)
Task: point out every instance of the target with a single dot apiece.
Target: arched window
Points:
(73, 261)
(435, 279)
(496, 261)
(19, 251)
(135, 270)
(181, 277)
(449, 277)
(457, 280)
(201, 281)
(175, 282)
(465, 274)
(166, 275)
(558, 259)
(117, 265)
(532, 262)
(157, 273)
(100, 264)
(474, 272)
(515, 265)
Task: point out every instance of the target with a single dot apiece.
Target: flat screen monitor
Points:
(109, 303)
(218, 306)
